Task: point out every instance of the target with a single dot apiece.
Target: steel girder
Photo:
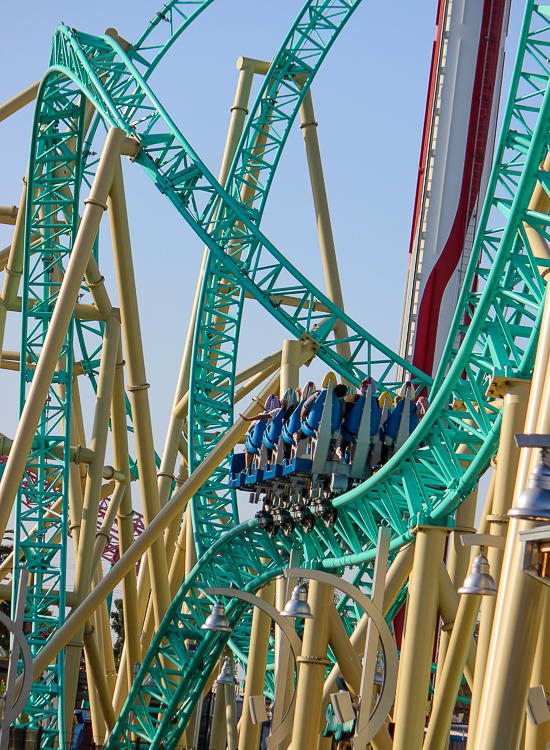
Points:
(495, 332)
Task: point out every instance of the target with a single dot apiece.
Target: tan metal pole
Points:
(93, 212)
(448, 608)
(416, 652)
(519, 604)
(284, 667)
(514, 411)
(446, 688)
(218, 733)
(14, 266)
(260, 631)
(537, 736)
(534, 421)
(458, 562)
(313, 661)
(137, 388)
(132, 649)
(396, 578)
(231, 713)
(19, 100)
(351, 671)
(94, 663)
(88, 528)
(290, 365)
(104, 533)
(459, 556)
(322, 212)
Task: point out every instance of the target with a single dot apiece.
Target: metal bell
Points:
(226, 677)
(297, 605)
(379, 671)
(479, 580)
(534, 502)
(217, 620)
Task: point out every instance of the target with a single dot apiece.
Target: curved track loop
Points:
(495, 332)
(496, 322)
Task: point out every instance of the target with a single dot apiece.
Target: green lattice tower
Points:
(51, 220)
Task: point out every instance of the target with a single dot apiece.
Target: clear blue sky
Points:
(369, 99)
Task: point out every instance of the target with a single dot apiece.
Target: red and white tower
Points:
(455, 162)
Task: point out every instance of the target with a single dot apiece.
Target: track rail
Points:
(496, 327)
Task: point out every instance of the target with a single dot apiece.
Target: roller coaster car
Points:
(300, 490)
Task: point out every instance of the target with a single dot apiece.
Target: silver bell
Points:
(297, 605)
(379, 671)
(217, 620)
(225, 677)
(479, 580)
(534, 502)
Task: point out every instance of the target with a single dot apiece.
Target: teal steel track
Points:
(495, 333)
(52, 219)
(495, 329)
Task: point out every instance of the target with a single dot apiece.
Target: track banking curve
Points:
(494, 332)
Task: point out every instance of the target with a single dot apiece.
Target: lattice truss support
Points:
(101, 83)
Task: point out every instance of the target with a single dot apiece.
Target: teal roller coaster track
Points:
(494, 333)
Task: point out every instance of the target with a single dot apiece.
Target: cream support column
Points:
(290, 365)
(396, 578)
(70, 288)
(538, 736)
(132, 650)
(539, 202)
(231, 713)
(514, 409)
(218, 732)
(446, 688)
(520, 599)
(249, 736)
(350, 668)
(88, 528)
(324, 226)
(416, 653)
(284, 666)
(14, 266)
(137, 388)
(458, 562)
(459, 556)
(511, 598)
(448, 608)
(309, 690)
(19, 100)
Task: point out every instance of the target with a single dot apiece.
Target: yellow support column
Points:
(324, 226)
(537, 736)
(416, 654)
(520, 599)
(249, 736)
(448, 683)
(290, 364)
(515, 394)
(311, 675)
(137, 388)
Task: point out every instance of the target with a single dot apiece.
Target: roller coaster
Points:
(366, 484)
